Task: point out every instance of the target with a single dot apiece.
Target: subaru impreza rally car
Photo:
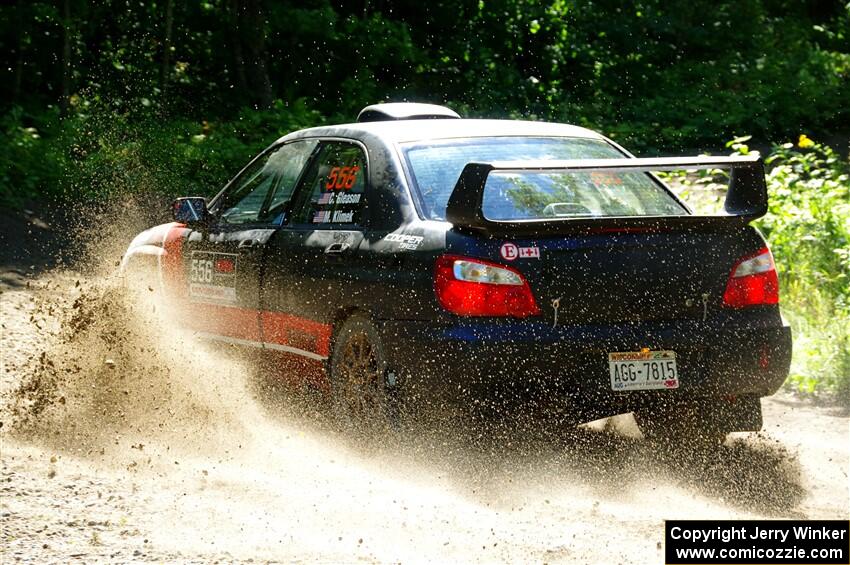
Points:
(415, 256)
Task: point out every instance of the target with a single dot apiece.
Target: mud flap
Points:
(735, 414)
(701, 416)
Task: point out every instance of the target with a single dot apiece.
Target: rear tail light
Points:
(474, 287)
(753, 282)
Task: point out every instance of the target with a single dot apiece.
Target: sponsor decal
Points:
(407, 242)
(210, 293)
(510, 252)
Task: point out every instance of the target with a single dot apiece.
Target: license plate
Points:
(643, 370)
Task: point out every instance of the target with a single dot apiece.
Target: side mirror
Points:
(190, 210)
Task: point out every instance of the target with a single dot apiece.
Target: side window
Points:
(262, 191)
(334, 187)
(292, 157)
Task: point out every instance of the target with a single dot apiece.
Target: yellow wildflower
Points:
(804, 142)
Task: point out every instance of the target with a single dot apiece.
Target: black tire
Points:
(358, 367)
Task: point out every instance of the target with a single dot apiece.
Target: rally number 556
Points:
(201, 270)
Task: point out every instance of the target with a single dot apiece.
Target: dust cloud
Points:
(149, 443)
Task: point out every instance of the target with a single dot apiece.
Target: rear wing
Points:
(746, 198)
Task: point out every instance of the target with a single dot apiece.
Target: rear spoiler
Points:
(746, 199)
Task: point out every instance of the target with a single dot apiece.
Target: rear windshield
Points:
(435, 168)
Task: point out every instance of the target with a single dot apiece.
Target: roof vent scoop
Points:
(405, 111)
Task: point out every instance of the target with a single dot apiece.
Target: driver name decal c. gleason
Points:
(339, 198)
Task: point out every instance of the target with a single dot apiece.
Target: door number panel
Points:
(212, 277)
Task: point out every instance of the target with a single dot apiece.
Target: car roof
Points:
(403, 131)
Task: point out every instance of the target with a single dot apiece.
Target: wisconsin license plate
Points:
(643, 370)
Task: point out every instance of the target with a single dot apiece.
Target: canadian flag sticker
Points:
(529, 253)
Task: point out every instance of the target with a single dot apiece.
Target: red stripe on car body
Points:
(226, 321)
(278, 328)
(293, 331)
(173, 273)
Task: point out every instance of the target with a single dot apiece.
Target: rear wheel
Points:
(358, 376)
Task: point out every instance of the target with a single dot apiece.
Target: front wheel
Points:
(358, 371)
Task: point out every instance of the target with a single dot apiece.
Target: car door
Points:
(311, 263)
(223, 262)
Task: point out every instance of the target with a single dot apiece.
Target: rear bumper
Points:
(535, 360)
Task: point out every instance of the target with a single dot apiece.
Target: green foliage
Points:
(655, 74)
(93, 153)
(104, 97)
(809, 219)
(30, 164)
(808, 227)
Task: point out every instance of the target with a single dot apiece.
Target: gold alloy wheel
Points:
(360, 380)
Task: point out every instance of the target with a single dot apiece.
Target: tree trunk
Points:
(19, 52)
(66, 56)
(236, 49)
(165, 71)
(253, 38)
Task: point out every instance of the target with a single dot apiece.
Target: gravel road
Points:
(124, 440)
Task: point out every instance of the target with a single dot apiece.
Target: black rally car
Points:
(415, 255)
